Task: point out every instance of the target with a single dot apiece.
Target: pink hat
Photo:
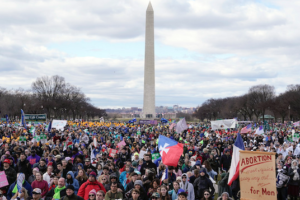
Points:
(7, 152)
(93, 191)
(36, 169)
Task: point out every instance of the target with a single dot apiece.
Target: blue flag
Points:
(23, 122)
(49, 127)
(7, 120)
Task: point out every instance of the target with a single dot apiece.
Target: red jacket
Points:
(86, 187)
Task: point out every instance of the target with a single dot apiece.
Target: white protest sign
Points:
(59, 124)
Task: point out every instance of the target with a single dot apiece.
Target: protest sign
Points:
(223, 124)
(142, 153)
(3, 179)
(155, 156)
(112, 152)
(22, 139)
(257, 175)
(59, 124)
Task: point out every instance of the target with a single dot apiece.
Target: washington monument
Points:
(149, 69)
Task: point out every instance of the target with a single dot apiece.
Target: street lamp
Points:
(289, 112)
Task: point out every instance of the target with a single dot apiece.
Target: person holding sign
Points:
(293, 186)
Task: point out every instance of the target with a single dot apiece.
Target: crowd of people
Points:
(89, 161)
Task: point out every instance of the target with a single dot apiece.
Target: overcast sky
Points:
(204, 48)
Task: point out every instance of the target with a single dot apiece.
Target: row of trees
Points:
(259, 101)
(50, 95)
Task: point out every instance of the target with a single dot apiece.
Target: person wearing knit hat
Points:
(89, 185)
(70, 194)
(138, 182)
(92, 194)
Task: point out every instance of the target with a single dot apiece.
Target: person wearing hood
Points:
(203, 183)
(79, 167)
(223, 186)
(72, 181)
(282, 187)
(42, 166)
(13, 187)
(114, 179)
(293, 184)
(224, 196)
(188, 187)
(70, 194)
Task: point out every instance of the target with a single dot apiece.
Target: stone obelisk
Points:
(149, 69)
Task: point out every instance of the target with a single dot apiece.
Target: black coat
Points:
(225, 161)
(24, 167)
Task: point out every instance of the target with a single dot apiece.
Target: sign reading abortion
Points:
(257, 175)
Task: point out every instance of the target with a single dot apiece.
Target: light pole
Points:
(289, 112)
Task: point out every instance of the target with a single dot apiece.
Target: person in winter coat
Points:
(124, 177)
(72, 181)
(42, 166)
(281, 188)
(224, 196)
(293, 185)
(40, 183)
(23, 166)
(33, 158)
(222, 185)
(32, 177)
(13, 187)
(90, 184)
(70, 194)
(10, 173)
(226, 160)
(58, 192)
(113, 179)
(188, 187)
(174, 193)
(203, 183)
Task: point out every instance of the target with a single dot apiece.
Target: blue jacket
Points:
(26, 185)
(75, 182)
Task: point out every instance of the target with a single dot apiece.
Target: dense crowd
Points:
(93, 161)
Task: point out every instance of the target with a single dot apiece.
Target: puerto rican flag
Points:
(170, 150)
(246, 129)
(235, 161)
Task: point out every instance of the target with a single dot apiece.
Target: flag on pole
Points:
(235, 162)
(7, 120)
(165, 175)
(23, 122)
(49, 126)
(68, 143)
(181, 126)
(259, 130)
(95, 142)
(172, 126)
(246, 129)
(296, 123)
(170, 150)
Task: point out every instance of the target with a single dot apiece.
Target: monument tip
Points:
(149, 8)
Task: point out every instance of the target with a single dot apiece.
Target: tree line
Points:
(255, 104)
(48, 95)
